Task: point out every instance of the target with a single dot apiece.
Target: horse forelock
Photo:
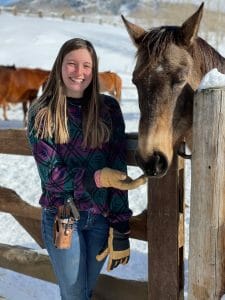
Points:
(153, 46)
(156, 41)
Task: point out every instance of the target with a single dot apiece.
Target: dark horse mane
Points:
(157, 39)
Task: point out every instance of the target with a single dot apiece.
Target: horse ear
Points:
(191, 26)
(136, 32)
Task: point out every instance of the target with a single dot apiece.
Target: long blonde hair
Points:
(50, 109)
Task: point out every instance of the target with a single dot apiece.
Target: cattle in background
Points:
(20, 85)
(110, 82)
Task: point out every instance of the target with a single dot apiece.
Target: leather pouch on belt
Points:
(63, 228)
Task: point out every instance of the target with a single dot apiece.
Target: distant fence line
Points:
(115, 21)
(101, 19)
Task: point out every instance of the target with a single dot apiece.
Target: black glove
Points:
(117, 247)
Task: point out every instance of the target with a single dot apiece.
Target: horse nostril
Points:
(156, 165)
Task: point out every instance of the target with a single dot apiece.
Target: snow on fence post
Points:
(206, 277)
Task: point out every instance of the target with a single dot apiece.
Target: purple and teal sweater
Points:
(68, 170)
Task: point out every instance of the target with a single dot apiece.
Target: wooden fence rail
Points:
(37, 265)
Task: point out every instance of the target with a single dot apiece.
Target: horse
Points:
(110, 82)
(170, 63)
(20, 85)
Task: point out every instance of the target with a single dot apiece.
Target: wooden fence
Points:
(165, 231)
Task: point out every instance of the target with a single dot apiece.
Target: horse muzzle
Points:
(155, 165)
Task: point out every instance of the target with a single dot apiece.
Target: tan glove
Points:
(119, 180)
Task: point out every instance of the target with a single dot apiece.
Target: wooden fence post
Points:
(206, 274)
(166, 234)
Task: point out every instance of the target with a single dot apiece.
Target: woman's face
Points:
(77, 72)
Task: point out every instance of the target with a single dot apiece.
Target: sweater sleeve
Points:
(119, 207)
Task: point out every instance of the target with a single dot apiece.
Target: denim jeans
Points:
(76, 269)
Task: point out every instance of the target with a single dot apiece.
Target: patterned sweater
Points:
(68, 170)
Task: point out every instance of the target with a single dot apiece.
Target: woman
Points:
(78, 141)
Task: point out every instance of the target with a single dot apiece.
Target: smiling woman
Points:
(78, 141)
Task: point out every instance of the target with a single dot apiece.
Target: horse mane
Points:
(157, 39)
(208, 55)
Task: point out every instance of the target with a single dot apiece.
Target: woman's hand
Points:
(114, 178)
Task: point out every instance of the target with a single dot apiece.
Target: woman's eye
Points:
(87, 66)
(71, 64)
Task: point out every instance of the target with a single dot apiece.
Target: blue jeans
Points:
(76, 269)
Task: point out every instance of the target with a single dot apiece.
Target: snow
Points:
(34, 42)
(213, 79)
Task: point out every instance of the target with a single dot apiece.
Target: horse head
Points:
(171, 60)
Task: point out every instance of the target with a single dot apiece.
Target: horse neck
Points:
(208, 57)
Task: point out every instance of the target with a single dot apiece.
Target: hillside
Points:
(143, 12)
(108, 6)
(76, 6)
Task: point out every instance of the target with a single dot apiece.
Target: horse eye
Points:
(180, 77)
(178, 81)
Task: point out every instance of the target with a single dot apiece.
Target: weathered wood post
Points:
(206, 275)
(166, 234)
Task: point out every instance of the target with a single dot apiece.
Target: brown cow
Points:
(20, 85)
(5, 75)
